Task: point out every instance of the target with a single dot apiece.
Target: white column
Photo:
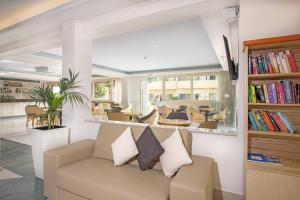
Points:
(77, 51)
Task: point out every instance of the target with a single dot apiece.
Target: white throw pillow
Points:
(124, 148)
(175, 155)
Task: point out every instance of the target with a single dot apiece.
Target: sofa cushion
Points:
(149, 149)
(109, 132)
(175, 155)
(97, 178)
(124, 147)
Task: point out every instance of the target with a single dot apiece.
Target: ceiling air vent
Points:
(41, 69)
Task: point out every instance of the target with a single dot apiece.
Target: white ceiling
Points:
(16, 11)
(181, 44)
(152, 26)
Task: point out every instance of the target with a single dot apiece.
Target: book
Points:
(290, 123)
(259, 65)
(279, 122)
(274, 94)
(270, 93)
(263, 122)
(260, 158)
(287, 62)
(249, 64)
(291, 60)
(283, 62)
(286, 123)
(273, 60)
(259, 126)
(270, 68)
(266, 94)
(281, 69)
(287, 91)
(268, 121)
(281, 90)
(260, 93)
(273, 121)
(253, 95)
(252, 121)
(254, 66)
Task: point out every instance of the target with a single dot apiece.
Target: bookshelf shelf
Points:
(289, 167)
(274, 76)
(253, 105)
(275, 135)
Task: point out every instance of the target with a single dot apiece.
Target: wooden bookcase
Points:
(267, 181)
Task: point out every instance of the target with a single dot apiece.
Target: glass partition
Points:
(210, 95)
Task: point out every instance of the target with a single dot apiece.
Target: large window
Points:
(210, 89)
(155, 88)
(177, 88)
(205, 87)
(195, 87)
(107, 90)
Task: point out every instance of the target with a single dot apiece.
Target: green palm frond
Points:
(67, 94)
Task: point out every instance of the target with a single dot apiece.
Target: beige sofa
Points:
(85, 170)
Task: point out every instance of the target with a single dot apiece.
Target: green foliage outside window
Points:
(100, 91)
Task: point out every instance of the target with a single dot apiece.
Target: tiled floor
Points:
(17, 158)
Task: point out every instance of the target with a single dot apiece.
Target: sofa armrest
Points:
(195, 181)
(58, 157)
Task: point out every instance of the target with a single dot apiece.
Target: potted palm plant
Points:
(50, 134)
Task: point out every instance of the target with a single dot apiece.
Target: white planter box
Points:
(43, 140)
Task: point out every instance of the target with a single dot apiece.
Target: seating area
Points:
(98, 176)
(162, 115)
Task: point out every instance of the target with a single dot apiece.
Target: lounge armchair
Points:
(196, 115)
(163, 111)
(117, 116)
(148, 119)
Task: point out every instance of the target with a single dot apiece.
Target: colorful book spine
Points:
(283, 62)
(249, 64)
(273, 60)
(287, 91)
(270, 93)
(289, 122)
(266, 94)
(268, 121)
(281, 69)
(273, 121)
(281, 90)
(252, 121)
(279, 122)
(291, 60)
(285, 122)
(274, 94)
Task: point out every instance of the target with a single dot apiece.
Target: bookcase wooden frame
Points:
(283, 145)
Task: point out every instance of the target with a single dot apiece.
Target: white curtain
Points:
(118, 91)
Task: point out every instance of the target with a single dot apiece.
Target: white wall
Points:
(267, 18)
